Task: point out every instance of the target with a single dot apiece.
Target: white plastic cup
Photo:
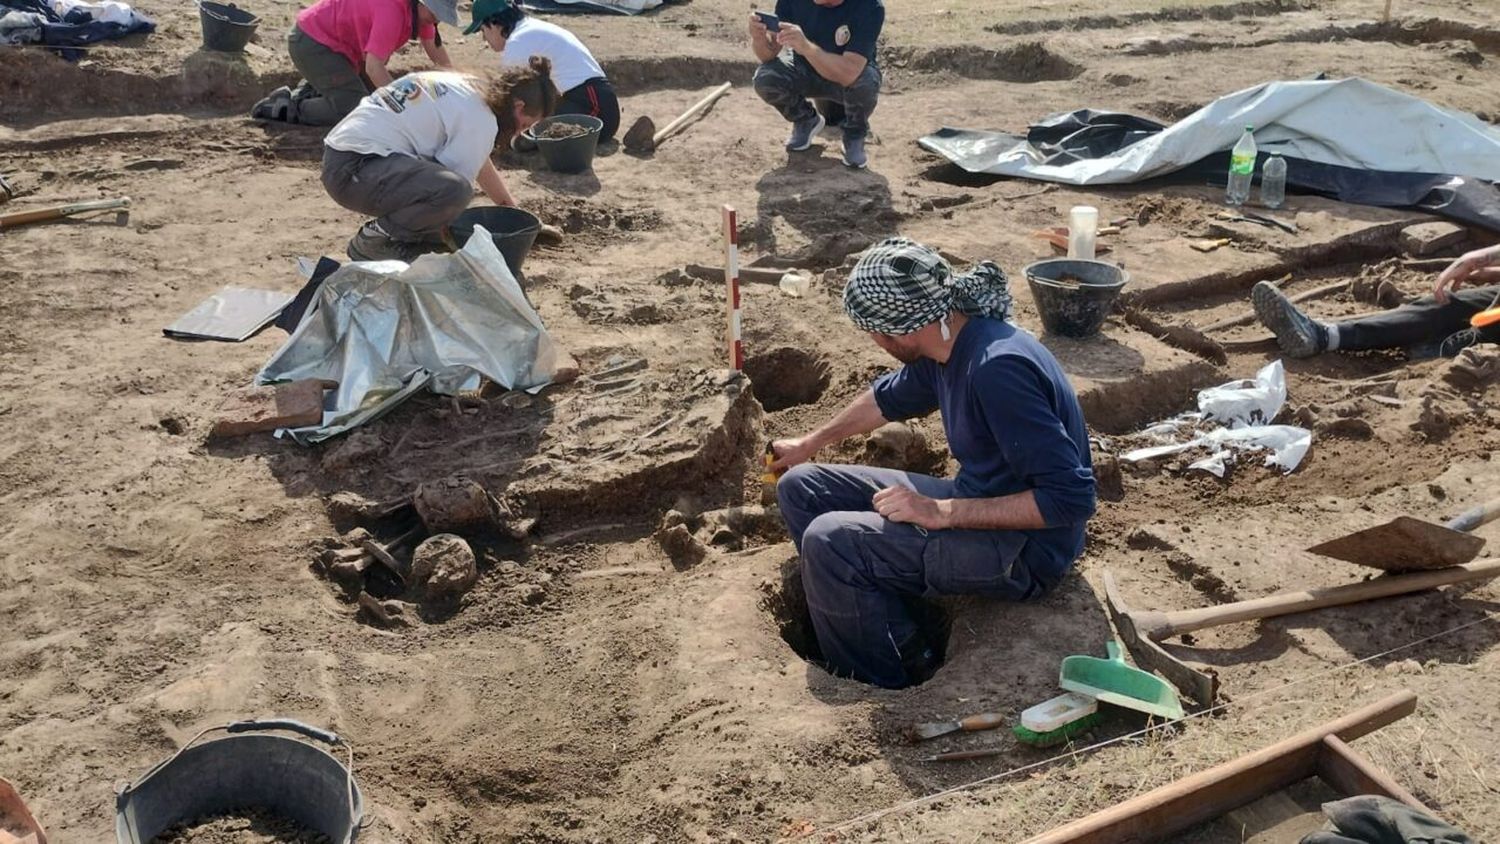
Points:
(1083, 229)
(795, 284)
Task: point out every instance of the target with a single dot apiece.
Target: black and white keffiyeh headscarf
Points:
(899, 285)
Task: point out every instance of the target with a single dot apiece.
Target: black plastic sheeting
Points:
(1087, 134)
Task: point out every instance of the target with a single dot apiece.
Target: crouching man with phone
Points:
(832, 61)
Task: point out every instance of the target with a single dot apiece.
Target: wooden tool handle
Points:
(38, 215)
(1475, 517)
(1159, 625)
(692, 112)
(982, 721)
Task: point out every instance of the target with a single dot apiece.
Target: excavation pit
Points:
(787, 377)
(786, 602)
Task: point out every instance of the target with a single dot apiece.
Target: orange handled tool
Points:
(1485, 318)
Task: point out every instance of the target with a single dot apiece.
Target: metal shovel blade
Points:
(638, 138)
(1403, 544)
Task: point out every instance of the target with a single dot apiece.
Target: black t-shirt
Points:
(852, 26)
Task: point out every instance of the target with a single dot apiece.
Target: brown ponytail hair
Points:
(530, 85)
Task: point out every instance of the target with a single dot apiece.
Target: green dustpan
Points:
(1114, 682)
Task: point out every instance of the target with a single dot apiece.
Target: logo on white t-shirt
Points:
(841, 35)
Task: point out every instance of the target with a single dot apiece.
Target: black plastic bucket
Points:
(248, 768)
(569, 155)
(513, 230)
(1073, 295)
(226, 27)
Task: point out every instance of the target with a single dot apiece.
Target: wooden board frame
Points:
(1321, 752)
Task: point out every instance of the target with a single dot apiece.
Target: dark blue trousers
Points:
(788, 83)
(860, 570)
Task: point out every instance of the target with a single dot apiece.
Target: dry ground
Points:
(587, 690)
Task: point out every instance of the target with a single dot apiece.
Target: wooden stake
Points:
(1386, 17)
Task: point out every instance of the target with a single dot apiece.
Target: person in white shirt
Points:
(517, 38)
(409, 153)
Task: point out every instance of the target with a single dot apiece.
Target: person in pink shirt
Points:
(341, 48)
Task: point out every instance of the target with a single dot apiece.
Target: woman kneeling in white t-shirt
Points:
(409, 153)
(517, 38)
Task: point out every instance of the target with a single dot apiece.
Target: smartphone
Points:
(772, 22)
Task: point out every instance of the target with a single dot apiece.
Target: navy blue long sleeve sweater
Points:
(1013, 423)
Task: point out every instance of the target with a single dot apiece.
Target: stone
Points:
(1109, 481)
(1427, 238)
(1475, 369)
(454, 503)
(1349, 428)
(681, 547)
(251, 410)
(896, 445)
(444, 564)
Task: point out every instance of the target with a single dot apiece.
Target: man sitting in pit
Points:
(1008, 526)
(832, 61)
(1438, 323)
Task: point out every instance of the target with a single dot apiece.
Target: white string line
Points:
(935, 796)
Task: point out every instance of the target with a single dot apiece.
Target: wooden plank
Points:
(1208, 794)
(1342, 767)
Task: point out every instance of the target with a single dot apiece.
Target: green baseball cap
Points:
(484, 9)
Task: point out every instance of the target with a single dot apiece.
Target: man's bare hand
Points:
(757, 29)
(791, 35)
(1473, 265)
(792, 452)
(900, 504)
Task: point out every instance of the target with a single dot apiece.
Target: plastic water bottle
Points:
(1241, 168)
(1273, 182)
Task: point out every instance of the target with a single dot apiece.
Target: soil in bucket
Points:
(241, 826)
(573, 152)
(513, 229)
(1074, 296)
(226, 27)
(559, 131)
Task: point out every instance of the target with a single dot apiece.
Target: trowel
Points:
(1408, 544)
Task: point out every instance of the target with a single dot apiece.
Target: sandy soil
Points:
(589, 688)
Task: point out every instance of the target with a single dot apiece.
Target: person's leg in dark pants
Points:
(1422, 323)
(860, 570)
(595, 98)
(1419, 323)
(784, 84)
(332, 87)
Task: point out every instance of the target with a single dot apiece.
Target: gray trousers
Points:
(788, 83)
(860, 570)
(410, 198)
(331, 87)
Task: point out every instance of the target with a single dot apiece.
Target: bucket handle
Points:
(254, 725)
(316, 733)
